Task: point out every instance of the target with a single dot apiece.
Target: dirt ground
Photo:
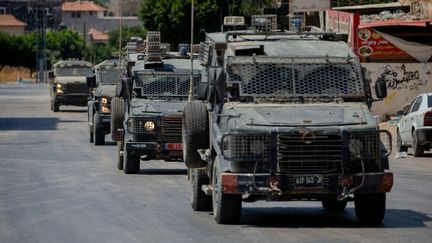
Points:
(13, 74)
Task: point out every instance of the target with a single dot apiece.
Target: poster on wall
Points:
(297, 6)
(372, 45)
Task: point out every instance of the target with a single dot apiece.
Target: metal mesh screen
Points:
(369, 145)
(165, 83)
(297, 77)
(245, 147)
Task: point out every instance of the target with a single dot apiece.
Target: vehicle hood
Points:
(142, 107)
(71, 79)
(298, 114)
(105, 91)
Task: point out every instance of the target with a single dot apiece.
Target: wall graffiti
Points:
(397, 77)
(404, 81)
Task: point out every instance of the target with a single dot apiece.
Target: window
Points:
(90, 13)
(76, 14)
(2, 10)
(429, 100)
(417, 104)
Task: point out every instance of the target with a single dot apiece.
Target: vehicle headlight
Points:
(104, 101)
(105, 109)
(59, 86)
(245, 147)
(149, 126)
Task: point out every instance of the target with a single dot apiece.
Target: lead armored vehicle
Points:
(147, 119)
(69, 85)
(103, 85)
(285, 116)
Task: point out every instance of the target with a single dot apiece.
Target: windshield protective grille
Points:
(109, 76)
(284, 77)
(166, 83)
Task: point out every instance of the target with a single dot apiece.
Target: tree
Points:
(127, 33)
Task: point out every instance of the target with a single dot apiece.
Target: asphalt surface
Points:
(57, 187)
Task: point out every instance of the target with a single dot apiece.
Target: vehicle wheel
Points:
(119, 155)
(56, 106)
(334, 205)
(399, 146)
(131, 163)
(418, 149)
(98, 131)
(200, 201)
(195, 133)
(370, 208)
(91, 135)
(117, 117)
(226, 207)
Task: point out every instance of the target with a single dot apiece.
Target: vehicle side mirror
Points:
(400, 113)
(380, 89)
(51, 74)
(91, 81)
(202, 90)
(119, 90)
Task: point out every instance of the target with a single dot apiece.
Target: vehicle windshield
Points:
(74, 71)
(165, 84)
(108, 76)
(288, 78)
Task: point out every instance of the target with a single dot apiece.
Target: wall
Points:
(12, 30)
(102, 24)
(404, 82)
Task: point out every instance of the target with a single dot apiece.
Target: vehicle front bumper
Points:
(424, 135)
(72, 99)
(153, 150)
(243, 183)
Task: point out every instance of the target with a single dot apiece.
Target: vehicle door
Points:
(403, 126)
(411, 119)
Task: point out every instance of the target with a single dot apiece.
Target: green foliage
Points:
(172, 18)
(127, 32)
(96, 53)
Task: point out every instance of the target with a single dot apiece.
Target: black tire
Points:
(117, 117)
(91, 135)
(226, 207)
(200, 201)
(418, 150)
(119, 155)
(131, 163)
(334, 205)
(370, 208)
(195, 129)
(56, 106)
(399, 146)
(98, 131)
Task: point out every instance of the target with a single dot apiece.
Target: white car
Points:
(415, 127)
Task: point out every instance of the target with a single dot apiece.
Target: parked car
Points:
(415, 127)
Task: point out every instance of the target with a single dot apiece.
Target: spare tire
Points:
(117, 117)
(195, 133)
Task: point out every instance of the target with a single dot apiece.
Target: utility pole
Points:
(191, 82)
(40, 40)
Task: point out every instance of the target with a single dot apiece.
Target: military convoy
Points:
(103, 84)
(279, 116)
(146, 116)
(68, 85)
(285, 116)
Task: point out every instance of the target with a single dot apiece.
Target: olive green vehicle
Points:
(68, 86)
(103, 86)
(285, 116)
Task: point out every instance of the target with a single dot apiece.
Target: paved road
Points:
(56, 187)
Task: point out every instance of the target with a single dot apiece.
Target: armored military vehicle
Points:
(103, 84)
(285, 116)
(147, 120)
(69, 83)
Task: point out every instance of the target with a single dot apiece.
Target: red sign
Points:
(173, 146)
(372, 44)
